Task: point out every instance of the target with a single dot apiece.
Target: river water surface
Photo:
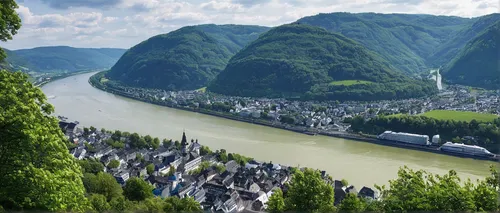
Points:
(362, 164)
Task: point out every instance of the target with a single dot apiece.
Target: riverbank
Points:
(51, 78)
(303, 130)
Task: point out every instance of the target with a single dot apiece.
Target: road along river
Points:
(362, 164)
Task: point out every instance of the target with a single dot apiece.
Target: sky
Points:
(125, 23)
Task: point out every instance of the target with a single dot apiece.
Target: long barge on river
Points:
(422, 146)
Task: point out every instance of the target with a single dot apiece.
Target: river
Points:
(362, 164)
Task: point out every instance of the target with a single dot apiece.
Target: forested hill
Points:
(412, 43)
(298, 60)
(445, 53)
(478, 63)
(185, 59)
(61, 59)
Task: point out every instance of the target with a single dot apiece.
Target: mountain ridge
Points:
(184, 59)
(302, 60)
(61, 59)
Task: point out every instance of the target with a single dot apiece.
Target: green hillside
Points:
(184, 59)
(404, 40)
(478, 63)
(15, 62)
(63, 58)
(299, 60)
(451, 47)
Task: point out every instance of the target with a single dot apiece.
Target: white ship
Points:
(460, 148)
(405, 138)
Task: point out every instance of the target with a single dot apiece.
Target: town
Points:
(219, 181)
(326, 117)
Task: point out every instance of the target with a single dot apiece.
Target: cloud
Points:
(250, 3)
(66, 4)
(124, 23)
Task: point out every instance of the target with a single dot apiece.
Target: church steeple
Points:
(184, 143)
(184, 140)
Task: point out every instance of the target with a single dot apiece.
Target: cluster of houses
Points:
(236, 188)
(326, 115)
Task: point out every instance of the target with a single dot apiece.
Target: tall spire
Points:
(184, 140)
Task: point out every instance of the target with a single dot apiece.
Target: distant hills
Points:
(185, 59)
(61, 59)
(298, 60)
(478, 63)
(411, 43)
(401, 47)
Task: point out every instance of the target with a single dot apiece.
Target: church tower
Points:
(184, 142)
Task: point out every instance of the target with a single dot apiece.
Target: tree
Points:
(91, 166)
(103, 130)
(154, 205)
(86, 131)
(308, 192)
(119, 204)
(102, 183)
(99, 203)
(40, 174)
(137, 190)
(150, 168)
(175, 204)
(117, 135)
(220, 168)
(139, 157)
(276, 203)
(417, 191)
(167, 143)
(205, 150)
(485, 197)
(9, 23)
(155, 144)
(113, 164)
(344, 182)
(351, 203)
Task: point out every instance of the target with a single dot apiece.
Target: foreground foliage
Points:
(37, 170)
(297, 60)
(10, 23)
(412, 191)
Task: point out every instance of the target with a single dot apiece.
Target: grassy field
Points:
(349, 82)
(104, 80)
(460, 115)
(203, 89)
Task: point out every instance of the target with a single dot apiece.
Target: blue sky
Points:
(124, 23)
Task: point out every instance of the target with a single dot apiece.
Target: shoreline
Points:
(64, 75)
(301, 130)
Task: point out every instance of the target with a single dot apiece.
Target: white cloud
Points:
(124, 23)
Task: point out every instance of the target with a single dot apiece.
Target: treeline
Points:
(485, 134)
(412, 191)
(372, 92)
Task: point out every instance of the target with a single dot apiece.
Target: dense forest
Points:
(478, 63)
(411, 43)
(184, 59)
(298, 60)
(61, 59)
(485, 134)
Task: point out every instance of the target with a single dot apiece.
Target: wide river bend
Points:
(362, 164)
